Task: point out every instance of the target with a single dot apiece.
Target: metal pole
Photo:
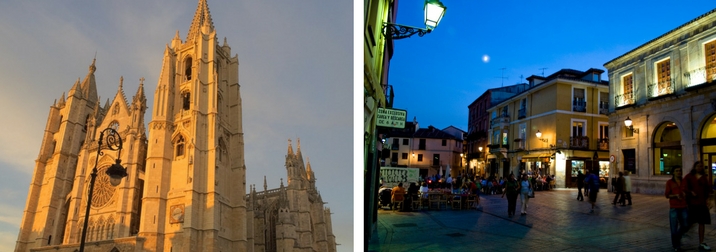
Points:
(89, 203)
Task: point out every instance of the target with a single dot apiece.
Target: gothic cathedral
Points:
(186, 183)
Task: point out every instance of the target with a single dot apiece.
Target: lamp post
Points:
(110, 141)
(434, 11)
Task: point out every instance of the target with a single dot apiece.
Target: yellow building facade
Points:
(568, 109)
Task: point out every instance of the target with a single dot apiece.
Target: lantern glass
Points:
(434, 11)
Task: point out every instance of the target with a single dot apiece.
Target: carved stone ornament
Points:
(176, 213)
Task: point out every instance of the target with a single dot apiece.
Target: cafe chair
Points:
(471, 201)
(457, 202)
(416, 201)
(398, 200)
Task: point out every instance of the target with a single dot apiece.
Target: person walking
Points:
(525, 188)
(627, 187)
(592, 182)
(697, 187)
(580, 185)
(619, 190)
(511, 189)
(677, 207)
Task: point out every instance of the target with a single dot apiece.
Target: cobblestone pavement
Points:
(555, 221)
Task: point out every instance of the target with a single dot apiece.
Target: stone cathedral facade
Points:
(186, 183)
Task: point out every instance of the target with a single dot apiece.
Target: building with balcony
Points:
(555, 127)
(429, 149)
(479, 123)
(666, 88)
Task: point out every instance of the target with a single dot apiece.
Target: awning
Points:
(535, 156)
(580, 154)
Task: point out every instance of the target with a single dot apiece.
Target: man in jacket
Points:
(627, 187)
(619, 190)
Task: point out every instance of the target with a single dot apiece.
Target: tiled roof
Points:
(432, 132)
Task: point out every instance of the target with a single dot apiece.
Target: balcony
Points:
(662, 88)
(502, 121)
(700, 76)
(522, 113)
(624, 99)
(581, 142)
(603, 144)
(579, 105)
(603, 107)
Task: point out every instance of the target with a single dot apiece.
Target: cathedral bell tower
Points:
(195, 184)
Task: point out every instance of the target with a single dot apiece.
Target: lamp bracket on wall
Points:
(397, 31)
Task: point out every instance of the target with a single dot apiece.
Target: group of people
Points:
(524, 188)
(688, 203)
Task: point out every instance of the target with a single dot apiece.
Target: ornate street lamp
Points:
(434, 12)
(110, 141)
(539, 135)
(628, 124)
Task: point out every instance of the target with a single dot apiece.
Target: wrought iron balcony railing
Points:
(660, 88)
(603, 107)
(624, 99)
(579, 105)
(603, 144)
(700, 76)
(581, 142)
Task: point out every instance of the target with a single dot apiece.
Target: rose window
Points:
(103, 190)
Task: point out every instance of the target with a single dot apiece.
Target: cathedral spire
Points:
(89, 86)
(202, 18)
(62, 100)
(290, 148)
(309, 172)
(75, 90)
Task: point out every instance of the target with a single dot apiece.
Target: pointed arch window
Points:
(185, 100)
(222, 150)
(187, 69)
(179, 147)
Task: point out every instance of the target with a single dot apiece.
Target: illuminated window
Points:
(628, 85)
(667, 148)
(710, 56)
(663, 76)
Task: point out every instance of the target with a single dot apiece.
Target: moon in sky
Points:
(485, 58)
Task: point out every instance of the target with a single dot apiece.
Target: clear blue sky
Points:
(294, 58)
(437, 76)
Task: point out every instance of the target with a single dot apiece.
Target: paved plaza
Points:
(555, 221)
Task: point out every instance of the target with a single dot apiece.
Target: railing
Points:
(603, 107)
(503, 120)
(624, 99)
(579, 105)
(603, 144)
(700, 76)
(522, 113)
(660, 88)
(579, 142)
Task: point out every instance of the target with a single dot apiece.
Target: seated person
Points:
(398, 193)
